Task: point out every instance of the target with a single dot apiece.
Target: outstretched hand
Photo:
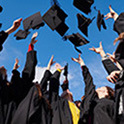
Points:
(113, 76)
(16, 66)
(15, 26)
(111, 14)
(97, 50)
(51, 62)
(33, 41)
(79, 60)
(58, 66)
(120, 37)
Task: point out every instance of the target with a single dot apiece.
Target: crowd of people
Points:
(23, 101)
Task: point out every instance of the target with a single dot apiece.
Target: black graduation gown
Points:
(18, 88)
(94, 110)
(35, 109)
(119, 90)
(119, 28)
(3, 37)
(119, 24)
(60, 108)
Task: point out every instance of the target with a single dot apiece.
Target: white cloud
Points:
(40, 72)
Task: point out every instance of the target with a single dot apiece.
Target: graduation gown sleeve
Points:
(88, 102)
(28, 73)
(3, 37)
(109, 65)
(119, 24)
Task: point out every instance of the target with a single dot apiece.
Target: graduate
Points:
(97, 105)
(119, 28)
(5, 34)
(115, 76)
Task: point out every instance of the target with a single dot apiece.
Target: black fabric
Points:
(94, 110)
(119, 24)
(83, 23)
(109, 66)
(60, 108)
(65, 86)
(100, 21)
(119, 91)
(3, 37)
(119, 53)
(32, 110)
(83, 5)
(11, 95)
(21, 34)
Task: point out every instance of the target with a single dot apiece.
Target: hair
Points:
(121, 37)
(110, 92)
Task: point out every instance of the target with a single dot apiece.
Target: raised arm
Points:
(54, 83)
(107, 63)
(4, 34)
(47, 75)
(89, 86)
(90, 94)
(28, 73)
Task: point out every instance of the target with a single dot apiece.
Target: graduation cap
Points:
(77, 40)
(100, 21)
(34, 21)
(55, 18)
(1, 8)
(21, 34)
(83, 5)
(83, 23)
(65, 70)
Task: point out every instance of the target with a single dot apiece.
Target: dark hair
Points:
(110, 92)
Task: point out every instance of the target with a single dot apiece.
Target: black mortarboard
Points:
(83, 23)
(77, 40)
(83, 5)
(100, 21)
(1, 8)
(55, 18)
(21, 34)
(34, 21)
(65, 70)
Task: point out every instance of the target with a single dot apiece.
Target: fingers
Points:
(35, 35)
(110, 80)
(92, 49)
(74, 59)
(111, 10)
(107, 16)
(100, 44)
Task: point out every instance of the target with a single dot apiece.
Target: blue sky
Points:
(51, 43)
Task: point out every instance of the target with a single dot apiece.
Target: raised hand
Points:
(97, 50)
(51, 62)
(58, 66)
(15, 26)
(33, 41)
(16, 66)
(79, 60)
(120, 37)
(113, 76)
(111, 14)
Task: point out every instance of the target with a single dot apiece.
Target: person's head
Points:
(3, 72)
(67, 95)
(78, 103)
(105, 92)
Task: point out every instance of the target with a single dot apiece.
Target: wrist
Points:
(115, 17)
(102, 53)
